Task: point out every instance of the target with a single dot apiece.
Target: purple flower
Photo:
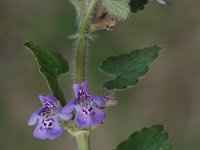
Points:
(87, 107)
(47, 119)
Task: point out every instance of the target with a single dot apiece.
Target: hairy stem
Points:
(81, 44)
(77, 5)
(82, 139)
(84, 6)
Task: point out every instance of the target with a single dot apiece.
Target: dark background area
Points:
(169, 94)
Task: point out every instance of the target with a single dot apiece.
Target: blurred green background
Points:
(169, 94)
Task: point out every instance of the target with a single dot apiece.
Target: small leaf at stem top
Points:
(129, 67)
(117, 8)
(52, 65)
(153, 138)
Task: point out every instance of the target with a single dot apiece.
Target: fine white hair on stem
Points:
(88, 38)
(77, 5)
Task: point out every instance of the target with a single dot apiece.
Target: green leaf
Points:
(137, 5)
(154, 138)
(52, 65)
(129, 67)
(118, 8)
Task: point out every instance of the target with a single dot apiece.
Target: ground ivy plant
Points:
(86, 111)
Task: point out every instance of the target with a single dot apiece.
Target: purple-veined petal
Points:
(55, 131)
(69, 108)
(84, 87)
(65, 116)
(88, 112)
(47, 119)
(98, 116)
(88, 119)
(82, 121)
(99, 101)
(76, 88)
(40, 132)
(34, 117)
(47, 99)
(51, 99)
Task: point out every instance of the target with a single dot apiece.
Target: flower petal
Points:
(69, 108)
(39, 132)
(84, 87)
(82, 121)
(86, 120)
(49, 99)
(99, 101)
(98, 116)
(34, 117)
(76, 88)
(65, 116)
(55, 131)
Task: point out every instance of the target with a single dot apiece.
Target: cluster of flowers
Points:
(86, 108)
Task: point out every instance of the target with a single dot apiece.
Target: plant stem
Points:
(76, 4)
(84, 6)
(81, 45)
(82, 139)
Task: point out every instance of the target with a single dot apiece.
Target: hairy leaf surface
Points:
(129, 67)
(52, 65)
(154, 138)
